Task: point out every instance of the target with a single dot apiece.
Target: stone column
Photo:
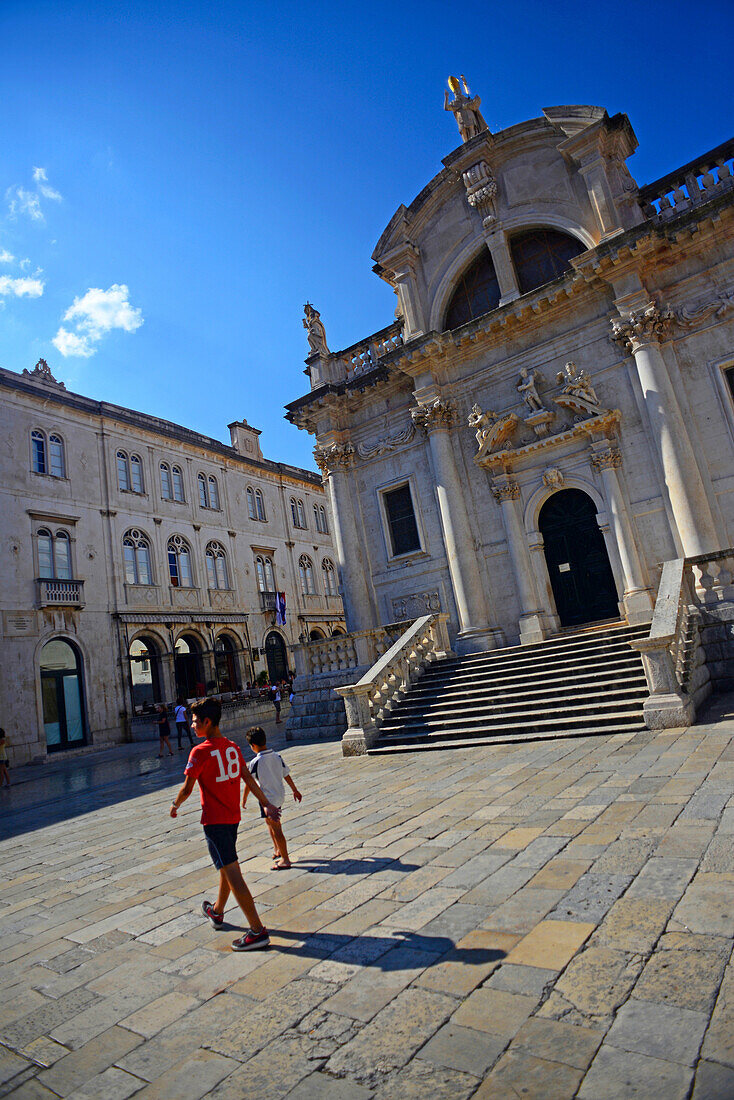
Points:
(435, 419)
(507, 494)
(638, 599)
(503, 266)
(334, 460)
(639, 333)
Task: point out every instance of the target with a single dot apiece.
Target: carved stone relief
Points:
(387, 443)
(553, 478)
(415, 605)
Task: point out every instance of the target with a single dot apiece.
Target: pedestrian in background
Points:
(182, 724)
(4, 776)
(164, 731)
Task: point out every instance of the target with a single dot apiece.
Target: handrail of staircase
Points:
(672, 653)
(369, 700)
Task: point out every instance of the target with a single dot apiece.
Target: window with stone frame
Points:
(477, 291)
(179, 562)
(54, 555)
(305, 572)
(298, 513)
(728, 373)
(38, 452)
(137, 558)
(166, 485)
(136, 474)
(57, 461)
(541, 255)
(47, 456)
(331, 588)
(401, 521)
(216, 566)
(319, 513)
(265, 573)
(178, 484)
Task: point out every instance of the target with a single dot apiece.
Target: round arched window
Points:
(477, 291)
(541, 255)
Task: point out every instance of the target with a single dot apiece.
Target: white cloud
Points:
(22, 288)
(5, 256)
(22, 201)
(94, 315)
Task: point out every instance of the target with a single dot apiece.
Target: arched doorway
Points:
(315, 635)
(228, 673)
(276, 656)
(189, 668)
(145, 672)
(62, 693)
(576, 555)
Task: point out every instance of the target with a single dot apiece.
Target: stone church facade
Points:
(141, 562)
(551, 415)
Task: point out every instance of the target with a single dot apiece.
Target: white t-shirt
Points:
(269, 769)
(180, 714)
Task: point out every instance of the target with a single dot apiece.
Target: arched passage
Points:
(190, 679)
(145, 672)
(62, 692)
(228, 669)
(277, 657)
(576, 555)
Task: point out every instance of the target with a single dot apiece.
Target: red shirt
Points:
(218, 765)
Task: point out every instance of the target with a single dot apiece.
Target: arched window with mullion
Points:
(179, 562)
(136, 553)
(265, 573)
(57, 464)
(305, 571)
(477, 291)
(330, 583)
(216, 566)
(38, 452)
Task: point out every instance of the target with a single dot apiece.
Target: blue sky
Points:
(177, 179)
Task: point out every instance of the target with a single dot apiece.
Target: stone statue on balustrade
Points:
(314, 327)
(465, 108)
(527, 387)
(577, 393)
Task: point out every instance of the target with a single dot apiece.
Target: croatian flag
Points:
(280, 609)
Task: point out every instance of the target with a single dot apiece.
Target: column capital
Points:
(646, 325)
(505, 488)
(332, 456)
(610, 458)
(435, 415)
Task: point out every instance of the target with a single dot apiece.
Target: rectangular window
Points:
(729, 379)
(401, 521)
(178, 489)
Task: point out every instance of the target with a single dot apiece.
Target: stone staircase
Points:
(584, 683)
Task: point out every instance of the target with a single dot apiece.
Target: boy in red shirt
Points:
(219, 766)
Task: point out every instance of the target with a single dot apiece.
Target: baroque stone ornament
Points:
(717, 307)
(642, 326)
(608, 459)
(492, 431)
(505, 490)
(415, 605)
(465, 108)
(315, 330)
(434, 415)
(577, 393)
(42, 373)
(387, 443)
(481, 190)
(553, 478)
(527, 387)
(332, 456)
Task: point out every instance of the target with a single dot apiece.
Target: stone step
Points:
(597, 722)
(408, 707)
(603, 670)
(455, 676)
(436, 743)
(559, 643)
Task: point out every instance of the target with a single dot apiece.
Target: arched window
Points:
(38, 452)
(298, 513)
(178, 484)
(57, 465)
(136, 552)
(330, 585)
(166, 489)
(213, 493)
(322, 524)
(251, 510)
(540, 255)
(136, 474)
(62, 692)
(305, 571)
(260, 505)
(54, 555)
(477, 291)
(265, 573)
(123, 471)
(216, 566)
(179, 562)
(208, 492)
(203, 495)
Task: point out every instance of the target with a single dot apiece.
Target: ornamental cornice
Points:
(608, 459)
(435, 415)
(333, 456)
(643, 326)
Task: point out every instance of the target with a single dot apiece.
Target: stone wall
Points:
(317, 711)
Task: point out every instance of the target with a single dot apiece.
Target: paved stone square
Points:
(543, 920)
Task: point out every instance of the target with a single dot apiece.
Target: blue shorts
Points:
(222, 841)
(263, 814)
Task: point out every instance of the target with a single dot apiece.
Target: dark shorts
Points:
(222, 841)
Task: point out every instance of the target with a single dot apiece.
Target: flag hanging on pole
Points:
(280, 609)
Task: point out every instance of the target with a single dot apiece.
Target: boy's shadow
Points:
(353, 866)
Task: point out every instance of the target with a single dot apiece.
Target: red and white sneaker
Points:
(215, 919)
(251, 941)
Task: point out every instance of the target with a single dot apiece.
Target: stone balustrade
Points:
(56, 593)
(362, 357)
(342, 651)
(695, 183)
(690, 648)
(369, 700)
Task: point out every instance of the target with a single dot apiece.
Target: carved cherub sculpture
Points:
(314, 327)
(482, 422)
(577, 383)
(528, 389)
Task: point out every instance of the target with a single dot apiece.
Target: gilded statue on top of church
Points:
(465, 108)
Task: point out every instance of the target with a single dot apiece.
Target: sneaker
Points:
(252, 941)
(214, 918)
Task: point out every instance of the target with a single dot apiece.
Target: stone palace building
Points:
(551, 415)
(141, 562)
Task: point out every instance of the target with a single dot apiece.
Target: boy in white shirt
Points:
(270, 770)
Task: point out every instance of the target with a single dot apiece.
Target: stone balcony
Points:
(57, 593)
